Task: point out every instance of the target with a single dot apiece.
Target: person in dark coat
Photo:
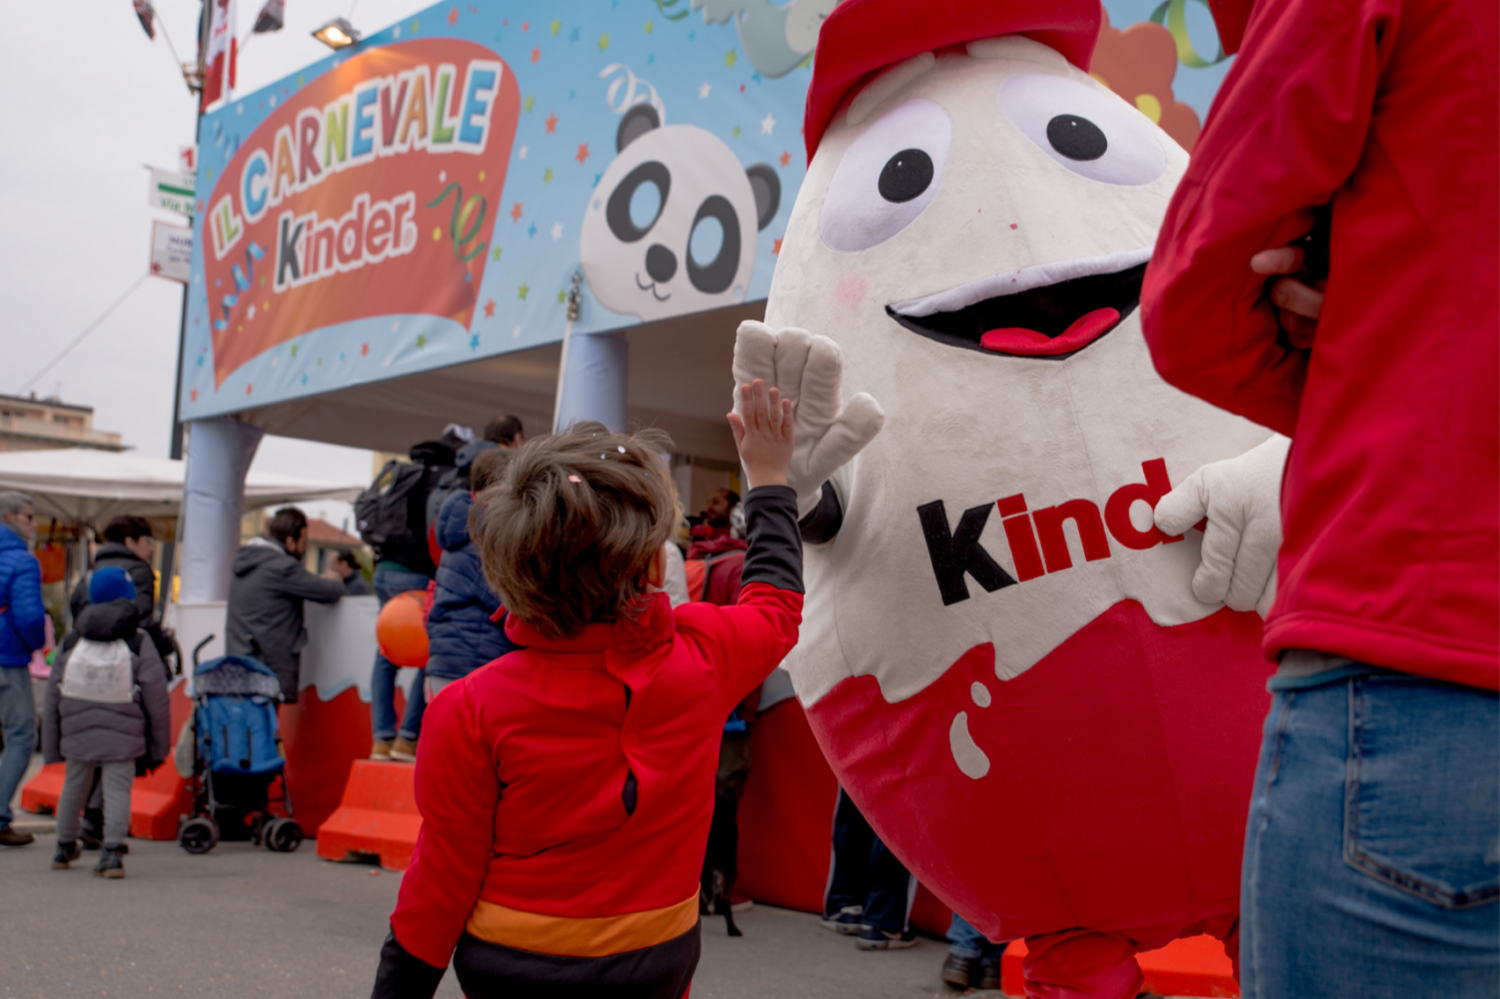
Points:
(461, 632)
(344, 564)
(106, 707)
(130, 545)
(264, 617)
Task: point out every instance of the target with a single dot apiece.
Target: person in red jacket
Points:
(566, 789)
(1373, 339)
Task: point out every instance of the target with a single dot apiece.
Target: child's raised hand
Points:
(763, 433)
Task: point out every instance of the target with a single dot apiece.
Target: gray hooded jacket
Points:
(115, 705)
(264, 616)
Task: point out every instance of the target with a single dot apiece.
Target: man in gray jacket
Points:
(106, 708)
(266, 592)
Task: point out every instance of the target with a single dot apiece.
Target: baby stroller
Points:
(237, 757)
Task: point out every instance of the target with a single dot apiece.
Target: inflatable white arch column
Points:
(591, 380)
(219, 456)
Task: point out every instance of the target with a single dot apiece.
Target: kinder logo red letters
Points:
(1038, 543)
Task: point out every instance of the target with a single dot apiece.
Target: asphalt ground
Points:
(241, 921)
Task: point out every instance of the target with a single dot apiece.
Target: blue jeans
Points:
(866, 873)
(1371, 865)
(389, 582)
(965, 941)
(18, 722)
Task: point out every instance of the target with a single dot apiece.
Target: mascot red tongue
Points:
(1029, 647)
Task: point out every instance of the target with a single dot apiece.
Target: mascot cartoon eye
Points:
(1093, 134)
(637, 203)
(887, 176)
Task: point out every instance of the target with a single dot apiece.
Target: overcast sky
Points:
(92, 99)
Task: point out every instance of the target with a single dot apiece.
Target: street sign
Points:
(171, 251)
(172, 191)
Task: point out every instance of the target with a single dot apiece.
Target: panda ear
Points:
(767, 189)
(638, 120)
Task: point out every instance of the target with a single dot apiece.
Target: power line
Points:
(82, 336)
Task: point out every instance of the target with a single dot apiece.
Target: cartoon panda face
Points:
(671, 227)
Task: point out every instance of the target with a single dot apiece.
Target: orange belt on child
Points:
(598, 936)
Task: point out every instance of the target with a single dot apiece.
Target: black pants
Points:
(866, 873)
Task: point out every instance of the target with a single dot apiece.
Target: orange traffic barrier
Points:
(1192, 966)
(377, 817)
(156, 801)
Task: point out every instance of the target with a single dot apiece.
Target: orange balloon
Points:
(401, 629)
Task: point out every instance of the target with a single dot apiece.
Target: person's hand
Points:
(1300, 304)
(762, 425)
(808, 370)
(1241, 499)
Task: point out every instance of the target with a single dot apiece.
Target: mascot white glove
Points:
(1241, 497)
(809, 370)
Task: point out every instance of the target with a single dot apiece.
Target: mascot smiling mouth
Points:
(1046, 310)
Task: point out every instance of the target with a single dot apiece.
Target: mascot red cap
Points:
(862, 37)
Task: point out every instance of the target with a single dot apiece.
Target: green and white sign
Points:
(172, 191)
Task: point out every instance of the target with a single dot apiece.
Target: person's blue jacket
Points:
(460, 635)
(23, 618)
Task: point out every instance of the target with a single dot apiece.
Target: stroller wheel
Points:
(283, 835)
(198, 834)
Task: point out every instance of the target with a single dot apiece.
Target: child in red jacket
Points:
(566, 789)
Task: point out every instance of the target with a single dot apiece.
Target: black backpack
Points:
(382, 511)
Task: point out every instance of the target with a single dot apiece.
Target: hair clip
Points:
(603, 456)
(574, 478)
(620, 448)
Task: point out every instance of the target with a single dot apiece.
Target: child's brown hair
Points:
(570, 529)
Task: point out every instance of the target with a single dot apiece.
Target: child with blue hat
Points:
(106, 707)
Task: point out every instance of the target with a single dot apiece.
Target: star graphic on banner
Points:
(551, 123)
(529, 102)
(496, 254)
(193, 395)
(755, 77)
(736, 132)
(562, 297)
(742, 88)
(515, 216)
(547, 176)
(557, 231)
(603, 42)
(785, 158)
(703, 91)
(573, 35)
(489, 309)
(536, 55)
(304, 379)
(583, 153)
(515, 331)
(248, 388)
(421, 340)
(521, 291)
(396, 31)
(364, 350)
(767, 124)
(416, 25)
(531, 230)
(649, 26)
(556, 26)
(523, 152)
(453, 16)
(598, 177)
(731, 57)
(294, 346)
(250, 314)
(474, 342)
(776, 248)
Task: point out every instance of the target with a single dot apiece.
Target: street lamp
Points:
(337, 34)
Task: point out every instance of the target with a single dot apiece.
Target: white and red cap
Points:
(862, 37)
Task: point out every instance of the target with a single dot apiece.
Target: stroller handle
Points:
(199, 648)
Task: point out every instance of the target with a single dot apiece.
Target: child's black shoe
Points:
(110, 865)
(67, 852)
(91, 831)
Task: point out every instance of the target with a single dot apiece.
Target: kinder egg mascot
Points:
(1046, 701)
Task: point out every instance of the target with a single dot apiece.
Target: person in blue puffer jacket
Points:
(22, 631)
(461, 633)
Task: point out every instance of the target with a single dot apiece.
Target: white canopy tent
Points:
(84, 486)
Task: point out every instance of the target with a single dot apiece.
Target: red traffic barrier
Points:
(1192, 966)
(377, 817)
(156, 801)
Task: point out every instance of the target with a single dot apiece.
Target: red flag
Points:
(219, 54)
(147, 14)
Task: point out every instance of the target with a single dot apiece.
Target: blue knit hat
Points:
(111, 583)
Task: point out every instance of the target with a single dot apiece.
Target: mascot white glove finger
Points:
(1241, 498)
(808, 370)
